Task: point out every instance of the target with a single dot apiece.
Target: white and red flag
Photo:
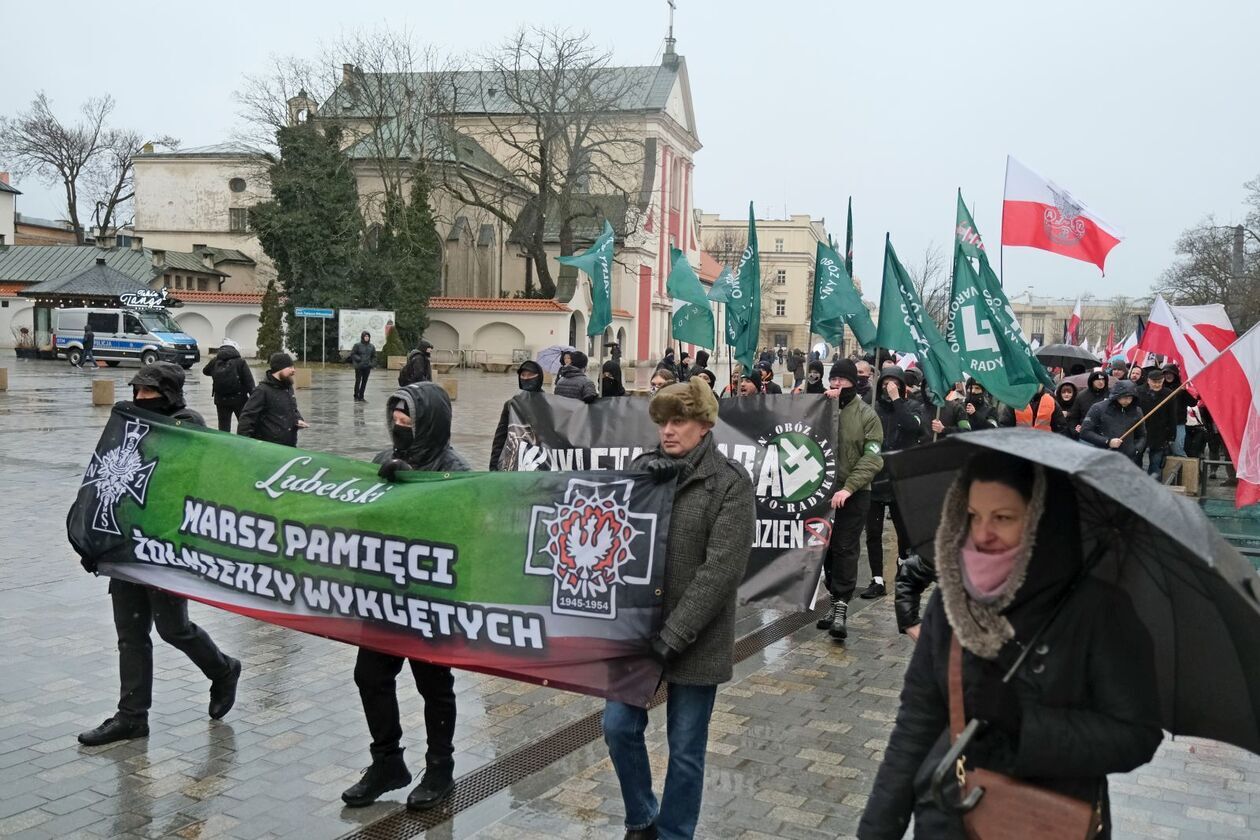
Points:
(1111, 347)
(1190, 335)
(1037, 213)
(1230, 386)
(1074, 324)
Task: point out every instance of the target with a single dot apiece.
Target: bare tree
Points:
(548, 109)
(1217, 264)
(932, 282)
(108, 181)
(36, 142)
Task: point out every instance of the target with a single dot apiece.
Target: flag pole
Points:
(1142, 419)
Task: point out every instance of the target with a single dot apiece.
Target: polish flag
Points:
(1190, 335)
(1037, 213)
(1111, 346)
(1230, 386)
(1074, 324)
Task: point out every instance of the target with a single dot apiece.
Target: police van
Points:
(141, 334)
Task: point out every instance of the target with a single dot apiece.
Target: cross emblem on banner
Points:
(117, 473)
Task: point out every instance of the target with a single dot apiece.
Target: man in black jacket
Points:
(159, 388)
(362, 357)
(1097, 388)
(87, 358)
(231, 382)
(572, 381)
(271, 412)
(1114, 416)
(529, 378)
(419, 366)
(418, 418)
(903, 426)
(1160, 421)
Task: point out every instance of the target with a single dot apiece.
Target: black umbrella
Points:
(1197, 596)
(1064, 356)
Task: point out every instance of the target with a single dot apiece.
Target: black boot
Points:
(384, 775)
(223, 691)
(839, 627)
(435, 786)
(648, 833)
(114, 729)
(825, 622)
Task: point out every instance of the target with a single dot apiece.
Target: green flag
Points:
(597, 263)
(837, 302)
(848, 241)
(1008, 322)
(966, 236)
(692, 321)
(745, 299)
(722, 290)
(980, 340)
(905, 326)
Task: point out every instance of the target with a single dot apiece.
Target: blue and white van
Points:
(143, 335)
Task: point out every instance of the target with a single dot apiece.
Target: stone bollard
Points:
(395, 362)
(302, 377)
(451, 386)
(102, 392)
(4, 379)
(788, 381)
(631, 375)
(549, 378)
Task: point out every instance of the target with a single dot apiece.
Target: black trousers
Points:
(136, 610)
(875, 535)
(375, 673)
(227, 409)
(360, 381)
(840, 572)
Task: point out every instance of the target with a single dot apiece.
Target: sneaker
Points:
(839, 628)
(824, 623)
(223, 691)
(114, 729)
(648, 833)
(435, 785)
(875, 590)
(384, 775)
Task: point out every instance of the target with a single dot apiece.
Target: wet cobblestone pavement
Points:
(795, 738)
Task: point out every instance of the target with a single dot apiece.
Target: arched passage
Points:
(199, 327)
(243, 329)
(577, 331)
(442, 336)
(499, 339)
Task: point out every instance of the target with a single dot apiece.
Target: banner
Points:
(785, 443)
(552, 579)
(692, 319)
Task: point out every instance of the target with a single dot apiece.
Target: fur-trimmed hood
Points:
(1049, 561)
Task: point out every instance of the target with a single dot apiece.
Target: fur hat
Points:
(691, 400)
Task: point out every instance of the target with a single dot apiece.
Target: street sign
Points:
(313, 312)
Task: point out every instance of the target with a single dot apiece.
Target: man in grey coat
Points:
(710, 537)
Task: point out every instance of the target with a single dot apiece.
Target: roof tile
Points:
(216, 297)
(498, 304)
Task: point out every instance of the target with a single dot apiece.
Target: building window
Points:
(778, 246)
(179, 282)
(237, 185)
(780, 339)
(780, 277)
(675, 184)
(780, 307)
(238, 219)
(202, 284)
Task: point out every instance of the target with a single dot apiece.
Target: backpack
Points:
(227, 381)
(793, 363)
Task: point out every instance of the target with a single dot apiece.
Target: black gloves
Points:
(992, 700)
(391, 468)
(662, 469)
(662, 652)
(88, 565)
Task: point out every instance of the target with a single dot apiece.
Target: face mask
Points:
(158, 405)
(863, 381)
(814, 378)
(847, 395)
(532, 385)
(403, 437)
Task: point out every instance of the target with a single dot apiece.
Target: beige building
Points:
(8, 210)
(1044, 318)
(197, 200)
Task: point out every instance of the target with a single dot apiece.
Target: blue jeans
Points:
(1155, 462)
(687, 712)
(87, 358)
(1179, 442)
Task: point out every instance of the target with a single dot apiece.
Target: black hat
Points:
(844, 369)
(164, 377)
(279, 361)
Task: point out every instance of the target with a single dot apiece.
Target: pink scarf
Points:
(985, 574)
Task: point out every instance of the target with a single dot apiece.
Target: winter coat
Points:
(230, 377)
(1183, 402)
(1107, 420)
(501, 431)
(914, 575)
(901, 421)
(859, 441)
(711, 532)
(1067, 412)
(271, 413)
(1087, 702)
(418, 368)
(1160, 423)
(611, 385)
(428, 448)
(1039, 414)
(363, 355)
(1087, 397)
(89, 339)
(572, 381)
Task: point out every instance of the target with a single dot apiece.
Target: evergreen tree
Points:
(312, 228)
(393, 347)
(270, 335)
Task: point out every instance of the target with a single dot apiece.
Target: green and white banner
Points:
(553, 578)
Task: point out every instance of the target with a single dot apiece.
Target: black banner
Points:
(785, 443)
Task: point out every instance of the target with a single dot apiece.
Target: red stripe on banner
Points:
(1024, 223)
(1219, 337)
(1226, 388)
(1158, 339)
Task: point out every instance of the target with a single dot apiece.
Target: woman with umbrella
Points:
(1054, 661)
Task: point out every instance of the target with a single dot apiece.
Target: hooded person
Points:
(271, 412)
(766, 382)
(1181, 405)
(159, 388)
(529, 378)
(1067, 419)
(1108, 421)
(667, 362)
(572, 381)
(684, 366)
(419, 366)
(610, 380)
(231, 382)
(812, 382)
(702, 362)
(418, 419)
(978, 412)
(708, 376)
(1159, 417)
(1097, 388)
(1081, 704)
(362, 357)
(711, 532)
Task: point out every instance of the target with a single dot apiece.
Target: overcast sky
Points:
(1144, 110)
